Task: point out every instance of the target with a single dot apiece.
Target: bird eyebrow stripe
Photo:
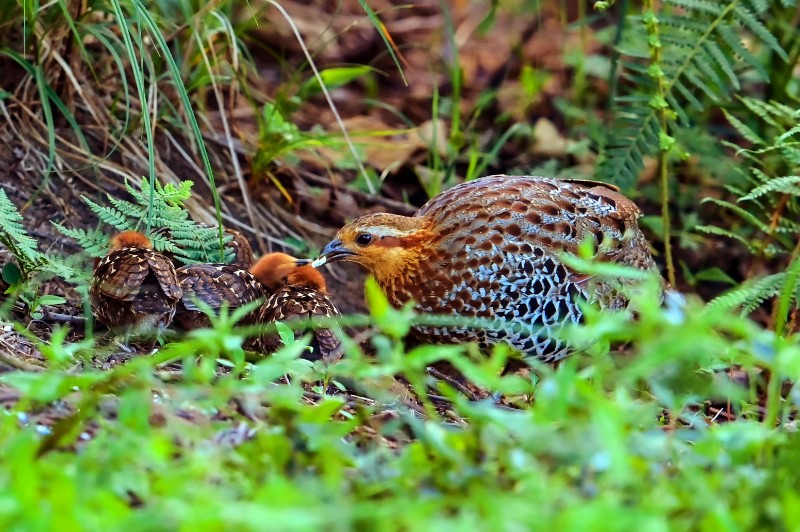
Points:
(389, 232)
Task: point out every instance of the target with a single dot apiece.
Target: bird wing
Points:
(215, 284)
(532, 212)
(164, 272)
(120, 274)
(303, 303)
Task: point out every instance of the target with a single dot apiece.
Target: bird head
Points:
(275, 270)
(129, 239)
(307, 276)
(385, 244)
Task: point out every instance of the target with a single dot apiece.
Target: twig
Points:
(435, 373)
(62, 318)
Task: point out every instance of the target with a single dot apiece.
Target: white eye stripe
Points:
(383, 231)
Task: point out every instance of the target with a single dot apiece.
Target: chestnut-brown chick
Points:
(298, 292)
(489, 249)
(134, 287)
(215, 285)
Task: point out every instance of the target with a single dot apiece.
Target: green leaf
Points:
(285, 332)
(11, 273)
(716, 275)
(332, 78)
(744, 130)
(48, 299)
(395, 324)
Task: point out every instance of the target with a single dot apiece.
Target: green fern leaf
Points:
(723, 62)
(700, 54)
(712, 8)
(785, 185)
(95, 242)
(713, 230)
(744, 214)
(750, 295)
(746, 17)
(14, 237)
(743, 129)
(109, 215)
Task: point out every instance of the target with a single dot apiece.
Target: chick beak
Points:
(333, 252)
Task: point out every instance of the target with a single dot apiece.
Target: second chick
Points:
(298, 292)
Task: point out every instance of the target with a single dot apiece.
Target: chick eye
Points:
(363, 239)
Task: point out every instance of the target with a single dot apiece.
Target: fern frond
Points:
(24, 248)
(94, 242)
(744, 214)
(174, 231)
(700, 57)
(714, 230)
(743, 129)
(785, 185)
(789, 134)
(14, 237)
(109, 215)
(750, 20)
(750, 295)
(176, 196)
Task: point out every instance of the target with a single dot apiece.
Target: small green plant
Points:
(37, 301)
(173, 232)
(767, 207)
(24, 248)
(32, 265)
(680, 56)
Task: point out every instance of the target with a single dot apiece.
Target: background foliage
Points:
(290, 119)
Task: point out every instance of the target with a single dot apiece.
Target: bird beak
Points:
(333, 252)
(302, 262)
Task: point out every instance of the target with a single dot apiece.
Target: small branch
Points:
(62, 318)
(436, 374)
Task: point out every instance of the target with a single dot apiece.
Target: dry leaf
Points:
(548, 141)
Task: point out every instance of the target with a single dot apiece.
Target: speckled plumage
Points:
(299, 293)
(303, 302)
(489, 249)
(215, 285)
(135, 288)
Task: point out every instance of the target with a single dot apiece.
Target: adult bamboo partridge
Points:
(298, 292)
(134, 288)
(213, 286)
(490, 248)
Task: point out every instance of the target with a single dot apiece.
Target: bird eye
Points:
(363, 239)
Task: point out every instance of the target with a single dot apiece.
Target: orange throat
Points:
(403, 282)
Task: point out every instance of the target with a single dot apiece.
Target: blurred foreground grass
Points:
(607, 441)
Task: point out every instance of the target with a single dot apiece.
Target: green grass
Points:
(617, 441)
